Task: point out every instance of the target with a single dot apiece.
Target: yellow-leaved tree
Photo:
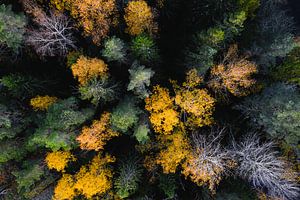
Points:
(161, 107)
(42, 102)
(175, 148)
(59, 160)
(92, 179)
(196, 104)
(96, 136)
(139, 18)
(95, 17)
(86, 69)
(95, 178)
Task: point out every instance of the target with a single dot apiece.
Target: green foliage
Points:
(277, 111)
(204, 47)
(129, 176)
(167, 183)
(11, 122)
(274, 34)
(72, 57)
(98, 91)
(289, 71)
(139, 80)
(141, 133)
(11, 150)
(58, 129)
(144, 49)
(12, 27)
(125, 115)
(27, 177)
(23, 86)
(114, 50)
(234, 24)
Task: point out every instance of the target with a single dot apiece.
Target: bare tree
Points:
(209, 162)
(53, 36)
(260, 165)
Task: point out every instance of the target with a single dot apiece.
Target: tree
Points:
(59, 160)
(144, 48)
(129, 176)
(95, 178)
(114, 50)
(53, 36)
(65, 188)
(11, 150)
(167, 158)
(97, 135)
(23, 86)
(163, 116)
(98, 91)
(289, 71)
(196, 104)
(259, 165)
(27, 177)
(59, 127)
(233, 75)
(125, 115)
(167, 183)
(86, 69)
(273, 33)
(95, 17)
(276, 110)
(139, 18)
(139, 80)
(141, 133)
(12, 28)
(207, 162)
(42, 102)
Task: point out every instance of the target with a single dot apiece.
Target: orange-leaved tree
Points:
(139, 18)
(233, 75)
(86, 69)
(96, 136)
(95, 17)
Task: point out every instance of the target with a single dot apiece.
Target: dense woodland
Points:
(149, 99)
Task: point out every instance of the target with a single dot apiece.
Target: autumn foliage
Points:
(234, 75)
(59, 160)
(42, 102)
(139, 18)
(96, 136)
(95, 17)
(163, 116)
(86, 69)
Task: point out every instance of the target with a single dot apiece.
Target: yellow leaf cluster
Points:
(177, 148)
(95, 178)
(197, 104)
(92, 179)
(96, 136)
(64, 189)
(163, 116)
(61, 4)
(59, 160)
(96, 17)
(139, 17)
(42, 102)
(234, 75)
(87, 68)
(202, 171)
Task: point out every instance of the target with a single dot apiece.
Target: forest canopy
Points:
(149, 99)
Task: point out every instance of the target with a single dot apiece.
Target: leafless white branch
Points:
(260, 165)
(53, 37)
